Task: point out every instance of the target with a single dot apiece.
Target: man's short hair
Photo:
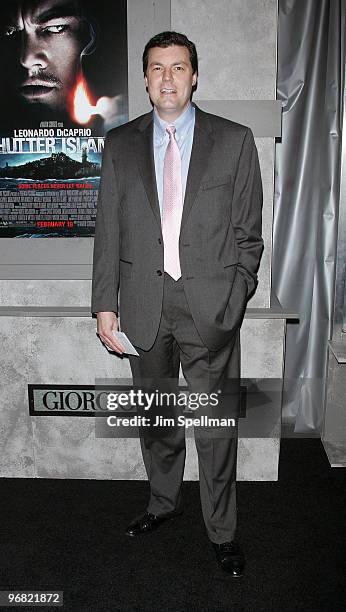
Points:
(167, 39)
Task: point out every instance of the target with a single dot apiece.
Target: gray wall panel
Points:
(62, 351)
(265, 147)
(45, 293)
(16, 435)
(236, 41)
(145, 19)
(44, 251)
(262, 116)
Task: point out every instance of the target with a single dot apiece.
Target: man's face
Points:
(46, 38)
(170, 79)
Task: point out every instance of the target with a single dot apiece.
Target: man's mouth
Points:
(168, 90)
(36, 89)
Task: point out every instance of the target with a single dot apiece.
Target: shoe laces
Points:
(228, 547)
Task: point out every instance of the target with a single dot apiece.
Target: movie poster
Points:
(64, 85)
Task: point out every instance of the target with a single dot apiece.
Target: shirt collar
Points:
(182, 123)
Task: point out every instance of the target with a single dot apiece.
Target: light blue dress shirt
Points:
(184, 126)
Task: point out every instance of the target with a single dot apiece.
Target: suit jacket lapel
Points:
(203, 142)
(143, 148)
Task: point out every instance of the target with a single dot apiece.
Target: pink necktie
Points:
(172, 206)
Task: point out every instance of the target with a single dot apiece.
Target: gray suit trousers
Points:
(178, 342)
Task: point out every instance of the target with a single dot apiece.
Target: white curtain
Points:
(310, 84)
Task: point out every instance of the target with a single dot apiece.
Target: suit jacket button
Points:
(159, 241)
(159, 272)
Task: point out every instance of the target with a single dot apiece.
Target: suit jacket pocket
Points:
(230, 264)
(125, 268)
(216, 182)
(231, 259)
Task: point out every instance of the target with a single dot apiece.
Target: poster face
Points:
(64, 85)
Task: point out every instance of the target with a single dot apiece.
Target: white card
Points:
(128, 346)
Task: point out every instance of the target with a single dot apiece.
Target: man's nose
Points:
(33, 55)
(167, 74)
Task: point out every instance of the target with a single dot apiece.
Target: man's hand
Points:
(107, 322)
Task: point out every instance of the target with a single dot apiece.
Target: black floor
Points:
(68, 535)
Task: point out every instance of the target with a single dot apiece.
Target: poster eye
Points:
(56, 29)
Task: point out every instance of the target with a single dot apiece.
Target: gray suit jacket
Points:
(220, 240)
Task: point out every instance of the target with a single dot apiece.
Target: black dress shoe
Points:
(230, 558)
(148, 522)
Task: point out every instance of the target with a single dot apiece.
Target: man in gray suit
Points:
(177, 248)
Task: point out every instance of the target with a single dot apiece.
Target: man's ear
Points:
(145, 81)
(194, 79)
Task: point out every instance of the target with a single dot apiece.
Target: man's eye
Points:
(55, 29)
(179, 68)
